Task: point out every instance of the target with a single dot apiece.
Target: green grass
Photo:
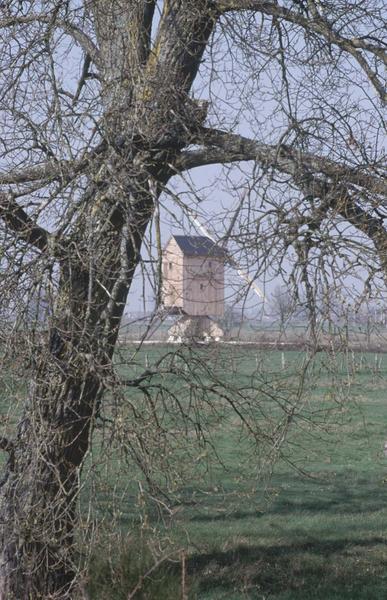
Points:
(133, 571)
(315, 529)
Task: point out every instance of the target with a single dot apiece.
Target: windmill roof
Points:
(198, 245)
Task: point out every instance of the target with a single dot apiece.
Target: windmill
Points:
(192, 273)
(193, 280)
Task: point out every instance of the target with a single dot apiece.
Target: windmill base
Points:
(191, 329)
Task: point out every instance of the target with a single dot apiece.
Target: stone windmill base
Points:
(190, 329)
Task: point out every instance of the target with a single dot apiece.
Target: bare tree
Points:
(99, 111)
(282, 305)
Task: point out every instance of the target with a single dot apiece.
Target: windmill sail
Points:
(230, 259)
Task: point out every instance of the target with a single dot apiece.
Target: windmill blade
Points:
(193, 217)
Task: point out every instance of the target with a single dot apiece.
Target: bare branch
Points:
(18, 220)
(46, 171)
(306, 170)
(339, 198)
(79, 36)
(369, 225)
(317, 176)
(224, 147)
(50, 171)
(319, 25)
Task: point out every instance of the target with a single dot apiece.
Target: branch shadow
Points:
(338, 569)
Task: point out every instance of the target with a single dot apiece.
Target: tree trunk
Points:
(148, 119)
(40, 489)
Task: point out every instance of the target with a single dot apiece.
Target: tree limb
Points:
(129, 24)
(223, 147)
(84, 76)
(181, 39)
(49, 171)
(339, 198)
(46, 171)
(19, 221)
(316, 176)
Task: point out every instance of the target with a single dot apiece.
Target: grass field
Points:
(310, 525)
(316, 529)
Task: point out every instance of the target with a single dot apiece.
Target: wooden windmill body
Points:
(193, 286)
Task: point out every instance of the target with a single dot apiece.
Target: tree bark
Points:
(40, 489)
(148, 119)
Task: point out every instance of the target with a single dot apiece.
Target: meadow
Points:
(308, 524)
(229, 517)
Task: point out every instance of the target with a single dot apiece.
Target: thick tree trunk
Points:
(149, 118)
(38, 494)
(40, 489)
